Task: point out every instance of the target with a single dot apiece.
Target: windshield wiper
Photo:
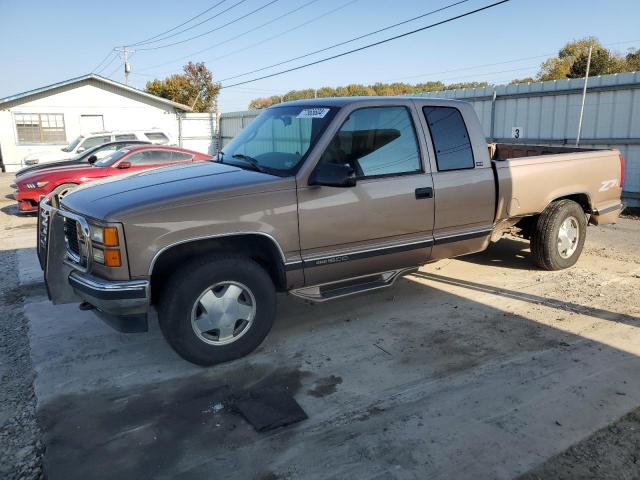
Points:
(250, 160)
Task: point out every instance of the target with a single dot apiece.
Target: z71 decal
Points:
(608, 184)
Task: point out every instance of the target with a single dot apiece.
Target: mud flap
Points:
(56, 271)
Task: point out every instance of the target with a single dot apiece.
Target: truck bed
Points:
(530, 177)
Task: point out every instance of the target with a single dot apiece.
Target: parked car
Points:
(84, 142)
(319, 198)
(86, 157)
(61, 180)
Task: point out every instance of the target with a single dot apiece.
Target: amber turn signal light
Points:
(112, 258)
(110, 236)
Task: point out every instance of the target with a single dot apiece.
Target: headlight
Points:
(105, 235)
(109, 257)
(32, 185)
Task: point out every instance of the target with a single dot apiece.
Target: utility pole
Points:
(584, 96)
(124, 52)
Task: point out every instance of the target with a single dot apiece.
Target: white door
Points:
(91, 124)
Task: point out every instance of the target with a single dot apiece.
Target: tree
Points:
(522, 80)
(194, 87)
(633, 60)
(602, 63)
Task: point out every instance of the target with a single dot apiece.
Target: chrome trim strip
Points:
(209, 237)
(108, 289)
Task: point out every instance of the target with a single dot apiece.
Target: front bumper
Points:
(121, 304)
(28, 199)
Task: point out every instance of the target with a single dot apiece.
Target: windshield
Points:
(111, 159)
(73, 144)
(279, 139)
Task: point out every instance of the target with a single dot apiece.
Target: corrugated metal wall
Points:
(232, 123)
(546, 113)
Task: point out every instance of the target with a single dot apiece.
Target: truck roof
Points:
(342, 101)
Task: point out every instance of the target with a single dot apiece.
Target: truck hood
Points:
(115, 198)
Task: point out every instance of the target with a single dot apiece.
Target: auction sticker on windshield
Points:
(313, 113)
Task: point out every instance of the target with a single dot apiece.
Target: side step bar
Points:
(351, 286)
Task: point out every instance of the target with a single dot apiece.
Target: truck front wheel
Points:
(558, 236)
(217, 309)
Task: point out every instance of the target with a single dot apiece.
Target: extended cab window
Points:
(376, 141)
(450, 138)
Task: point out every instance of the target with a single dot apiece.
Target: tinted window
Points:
(157, 137)
(450, 138)
(181, 157)
(126, 136)
(93, 141)
(150, 157)
(376, 141)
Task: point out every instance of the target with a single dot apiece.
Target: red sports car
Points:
(61, 180)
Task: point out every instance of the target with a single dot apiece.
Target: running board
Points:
(351, 286)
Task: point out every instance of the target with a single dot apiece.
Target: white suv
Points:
(84, 142)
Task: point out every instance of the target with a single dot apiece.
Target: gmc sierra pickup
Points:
(322, 199)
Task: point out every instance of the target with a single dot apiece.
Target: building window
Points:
(40, 128)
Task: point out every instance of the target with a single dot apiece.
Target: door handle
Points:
(425, 192)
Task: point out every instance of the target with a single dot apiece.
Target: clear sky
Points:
(43, 42)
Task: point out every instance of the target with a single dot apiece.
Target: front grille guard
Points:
(47, 214)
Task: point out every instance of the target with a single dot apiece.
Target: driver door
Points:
(385, 221)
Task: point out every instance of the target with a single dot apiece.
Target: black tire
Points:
(185, 287)
(544, 235)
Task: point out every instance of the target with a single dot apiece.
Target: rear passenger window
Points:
(157, 137)
(450, 138)
(180, 157)
(125, 136)
(376, 141)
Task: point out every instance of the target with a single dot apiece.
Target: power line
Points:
(370, 45)
(148, 40)
(114, 70)
(103, 60)
(290, 12)
(360, 37)
(106, 65)
(213, 29)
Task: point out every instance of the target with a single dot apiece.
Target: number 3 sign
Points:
(517, 132)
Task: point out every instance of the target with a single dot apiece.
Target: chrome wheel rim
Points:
(63, 193)
(568, 236)
(223, 313)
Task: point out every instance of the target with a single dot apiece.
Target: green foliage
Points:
(571, 62)
(194, 87)
(380, 89)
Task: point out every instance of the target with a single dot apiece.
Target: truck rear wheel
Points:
(217, 309)
(558, 236)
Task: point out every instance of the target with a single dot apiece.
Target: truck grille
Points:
(71, 236)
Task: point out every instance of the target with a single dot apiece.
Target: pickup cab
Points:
(319, 198)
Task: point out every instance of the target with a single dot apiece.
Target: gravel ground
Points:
(610, 453)
(21, 448)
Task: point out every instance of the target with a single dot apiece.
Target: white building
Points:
(50, 117)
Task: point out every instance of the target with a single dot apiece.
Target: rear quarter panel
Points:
(527, 185)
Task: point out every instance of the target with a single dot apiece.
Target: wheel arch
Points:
(582, 199)
(260, 247)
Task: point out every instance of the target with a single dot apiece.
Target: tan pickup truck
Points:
(322, 199)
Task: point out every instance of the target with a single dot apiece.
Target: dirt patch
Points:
(325, 386)
(91, 435)
(612, 453)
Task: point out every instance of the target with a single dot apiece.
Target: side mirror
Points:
(80, 149)
(92, 159)
(333, 175)
(124, 165)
